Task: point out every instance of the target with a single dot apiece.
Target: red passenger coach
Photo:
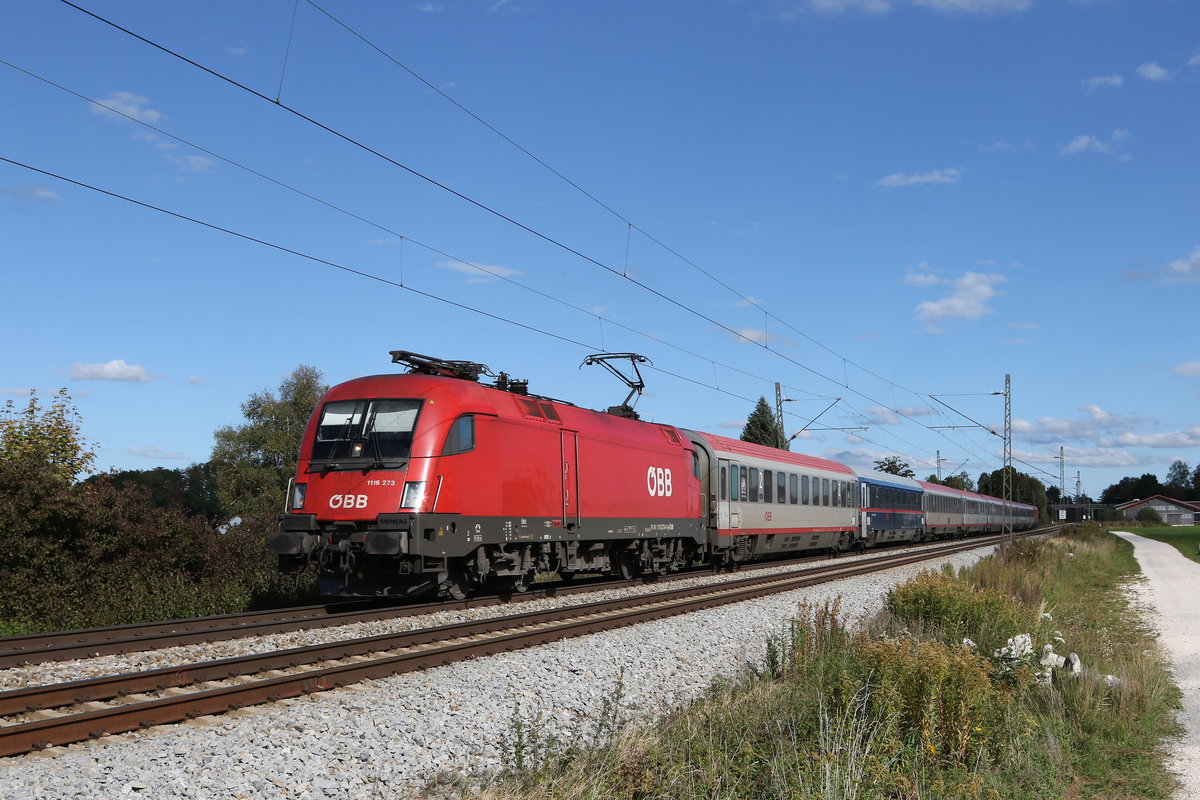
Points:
(411, 484)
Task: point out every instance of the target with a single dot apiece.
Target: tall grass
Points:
(937, 697)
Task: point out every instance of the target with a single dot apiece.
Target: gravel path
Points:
(1170, 588)
(388, 738)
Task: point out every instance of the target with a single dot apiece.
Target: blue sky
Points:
(872, 200)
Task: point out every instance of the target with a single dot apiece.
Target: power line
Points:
(528, 229)
(350, 140)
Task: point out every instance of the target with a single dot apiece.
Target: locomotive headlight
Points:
(298, 492)
(414, 493)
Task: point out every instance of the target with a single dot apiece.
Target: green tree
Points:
(1149, 515)
(763, 428)
(1131, 488)
(896, 466)
(253, 462)
(1179, 481)
(960, 481)
(1025, 489)
(50, 436)
(192, 489)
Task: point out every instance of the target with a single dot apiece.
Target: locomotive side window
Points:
(461, 437)
(794, 487)
(376, 430)
(768, 486)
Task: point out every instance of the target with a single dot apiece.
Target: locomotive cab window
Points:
(373, 430)
(461, 437)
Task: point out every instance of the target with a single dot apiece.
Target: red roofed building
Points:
(1173, 512)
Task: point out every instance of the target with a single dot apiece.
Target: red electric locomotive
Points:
(433, 482)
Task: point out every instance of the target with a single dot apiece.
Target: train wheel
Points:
(519, 584)
(628, 564)
(456, 584)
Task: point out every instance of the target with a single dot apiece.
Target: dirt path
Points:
(1173, 588)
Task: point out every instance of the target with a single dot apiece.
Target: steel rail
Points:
(90, 642)
(536, 628)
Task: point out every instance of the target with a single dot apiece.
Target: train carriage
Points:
(770, 500)
(891, 508)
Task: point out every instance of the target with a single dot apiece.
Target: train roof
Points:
(724, 444)
(937, 488)
(888, 479)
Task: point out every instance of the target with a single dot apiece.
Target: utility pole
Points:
(779, 429)
(1008, 477)
(1062, 480)
(939, 464)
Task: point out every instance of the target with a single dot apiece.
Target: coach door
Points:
(728, 479)
(570, 479)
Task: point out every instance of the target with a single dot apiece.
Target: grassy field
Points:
(1185, 540)
(944, 695)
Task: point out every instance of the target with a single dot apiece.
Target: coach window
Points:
(824, 491)
(754, 485)
(794, 489)
(768, 486)
(837, 493)
(461, 437)
(805, 497)
(724, 483)
(780, 487)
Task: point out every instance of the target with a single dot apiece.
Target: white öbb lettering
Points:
(348, 501)
(658, 481)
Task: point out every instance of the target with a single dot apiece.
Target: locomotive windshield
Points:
(376, 431)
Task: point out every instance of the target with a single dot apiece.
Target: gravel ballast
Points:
(389, 737)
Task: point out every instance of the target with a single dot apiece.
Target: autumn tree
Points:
(895, 465)
(762, 427)
(254, 461)
(50, 436)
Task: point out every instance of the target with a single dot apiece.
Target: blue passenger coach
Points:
(891, 509)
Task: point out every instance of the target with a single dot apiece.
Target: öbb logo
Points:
(658, 482)
(348, 501)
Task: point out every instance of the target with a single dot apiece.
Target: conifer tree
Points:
(763, 428)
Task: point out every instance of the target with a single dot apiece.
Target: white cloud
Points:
(1189, 369)
(1091, 85)
(1186, 268)
(1184, 438)
(193, 379)
(428, 8)
(115, 370)
(155, 453)
(193, 163)
(1151, 71)
(1094, 457)
(881, 415)
(129, 105)
(900, 179)
(1194, 61)
(239, 49)
(1094, 144)
(991, 7)
(1095, 423)
(480, 273)
(31, 192)
(998, 147)
(968, 300)
(751, 335)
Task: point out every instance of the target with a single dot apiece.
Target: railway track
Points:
(66, 645)
(43, 716)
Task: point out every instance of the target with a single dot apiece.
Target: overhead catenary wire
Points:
(551, 240)
(484, 207)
